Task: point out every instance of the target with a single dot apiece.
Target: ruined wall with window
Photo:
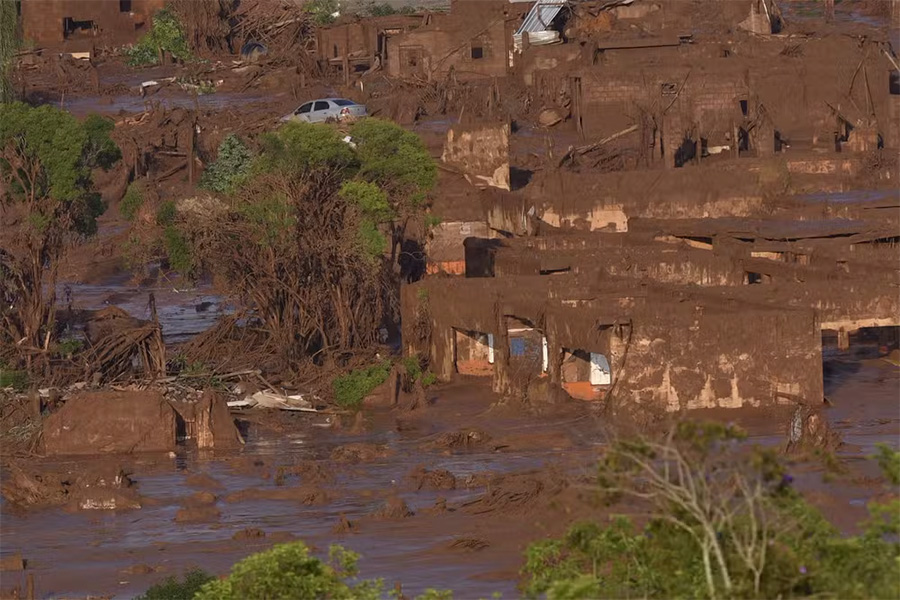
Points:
(48, 22)
(366, 38)
(649, 348)
(473, 41)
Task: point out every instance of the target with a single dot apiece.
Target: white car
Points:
(327, 109)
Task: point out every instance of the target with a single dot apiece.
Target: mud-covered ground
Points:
(447, 496)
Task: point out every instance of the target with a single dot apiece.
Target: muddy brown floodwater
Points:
(507, 482)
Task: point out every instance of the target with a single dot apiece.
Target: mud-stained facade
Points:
(472, 41)
(85, 22)
(649, 347)
(363, 43)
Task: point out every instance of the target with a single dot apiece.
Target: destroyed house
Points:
(82, 24)
(653, 347)
(363, 43)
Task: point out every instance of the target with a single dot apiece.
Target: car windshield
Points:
(344, 102)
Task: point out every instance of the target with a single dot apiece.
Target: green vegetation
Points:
(351, 389)
(177, 250)
(9, 378)
(166, 214)
(132, 201)
(413, 366)
(99, 149)
(232, 166)
(315, 219)
(432, 221)
(69, 347)
(46, 157)
(166, 35)
(285, 571)
(9, 43)
(172, 588)
(395, 159)
(725, 524)
(290, 571)
(889, 461)
(322, 11)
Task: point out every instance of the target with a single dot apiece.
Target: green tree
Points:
(723, 522)
(398, 162)
(165, 35)
(290, 571)
(231, 167)
(322, 11)
(312, 217)
(46, 157)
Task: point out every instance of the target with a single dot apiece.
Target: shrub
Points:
(232, 166)
(166, 213)
(166, 35)
(396, 159)
(177, 250)
(298, 147)
(352, 388)
(9, 378)
(132, 201)
(69, 347)
(889, 461)
(172, 588)
(322, 11)
(289, 571)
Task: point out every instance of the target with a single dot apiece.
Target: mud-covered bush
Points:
(173, 588)
(132, 201)
(231, 167)
(165, 35)
(351, 389)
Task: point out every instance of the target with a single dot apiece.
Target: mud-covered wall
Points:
(667, 350)
(798, 88)
(591, 201)
(472, 41)
(360, 38)
(114, 21)
(746, 357)
(613, 98)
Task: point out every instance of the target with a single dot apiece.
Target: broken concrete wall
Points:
(446, 248)
(480, 152)
(86, 22)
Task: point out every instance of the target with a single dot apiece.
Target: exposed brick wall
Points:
(613, 98)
